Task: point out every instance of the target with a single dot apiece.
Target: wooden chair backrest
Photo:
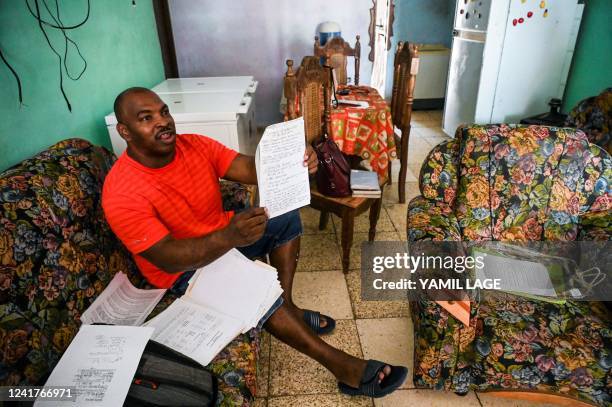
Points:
(405, 69)
(308, 93)
(335, 53)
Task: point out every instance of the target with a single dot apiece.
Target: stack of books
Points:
(365, 184)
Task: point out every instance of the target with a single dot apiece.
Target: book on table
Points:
(365, 184)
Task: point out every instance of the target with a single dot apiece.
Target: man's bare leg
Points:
(285, 258)
(286, 326)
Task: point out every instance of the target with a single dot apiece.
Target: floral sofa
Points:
(538, 183)
(57, 253)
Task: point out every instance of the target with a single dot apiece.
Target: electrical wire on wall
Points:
(15, 75)
(59, 25)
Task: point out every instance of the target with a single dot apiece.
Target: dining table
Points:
(365, 131)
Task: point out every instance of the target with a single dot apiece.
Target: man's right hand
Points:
(247, 227)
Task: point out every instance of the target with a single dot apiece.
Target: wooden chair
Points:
(308, 95)
(335, 53)
(406, 66)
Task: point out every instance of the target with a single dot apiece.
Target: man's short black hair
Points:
(118, 105)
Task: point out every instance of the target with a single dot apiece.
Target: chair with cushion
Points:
(335, 53)
(308, 96)
(405, 69)
(546, 184)
(58, 253)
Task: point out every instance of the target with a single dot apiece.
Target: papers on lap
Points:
(281, 176)
(224, 299)
(100, 363)
(122, 304)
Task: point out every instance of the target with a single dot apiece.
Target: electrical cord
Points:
(15, 75)
(61, 26)
(67, 39)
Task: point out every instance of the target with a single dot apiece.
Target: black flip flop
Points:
(369, 385)
(313, 320)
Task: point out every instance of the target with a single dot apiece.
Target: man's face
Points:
(147, 126)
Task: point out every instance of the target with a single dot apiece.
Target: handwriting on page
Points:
(282, 177)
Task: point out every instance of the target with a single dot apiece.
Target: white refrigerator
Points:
(508, 59)
(222, 108)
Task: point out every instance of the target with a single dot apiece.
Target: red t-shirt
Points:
(143, 205)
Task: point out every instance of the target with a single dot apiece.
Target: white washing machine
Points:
(247, 84)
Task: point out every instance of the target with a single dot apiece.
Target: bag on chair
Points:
(333, 174)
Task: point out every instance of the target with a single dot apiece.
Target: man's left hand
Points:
(310, 160)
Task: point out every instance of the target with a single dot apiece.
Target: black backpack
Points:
(167, 378)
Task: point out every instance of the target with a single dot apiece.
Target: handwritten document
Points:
(100, 363)
(193, 330)
(281, 175)
(122, 304)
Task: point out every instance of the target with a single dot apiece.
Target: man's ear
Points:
(123, 131)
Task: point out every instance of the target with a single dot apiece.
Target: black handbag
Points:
(334, 173)
(167, 378)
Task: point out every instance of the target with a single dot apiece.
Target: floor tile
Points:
(325, 292)
(395, 169)
(435, 116)
(490, 400)
(293, 373)
(390, 340)
(358, 239)
(372, 309)
(391, 195)
(397, 213)
(430, 398)
(362, 223)
(310, 222)
(260, 402)
(320, 400)
(319, 252)
(263, 364)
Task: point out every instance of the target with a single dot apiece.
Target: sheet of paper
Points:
(355, 103)
(281, 175)
(122, 304)
(520, 276)
(198, 332)
(100, 362)
(236, 285)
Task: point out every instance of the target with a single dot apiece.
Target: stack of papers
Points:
(224, 299)
(365, 184)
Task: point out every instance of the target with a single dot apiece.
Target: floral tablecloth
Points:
(365, 132)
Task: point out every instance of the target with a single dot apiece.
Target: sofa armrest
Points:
(595, 226)
(438, 178)
(431, 220)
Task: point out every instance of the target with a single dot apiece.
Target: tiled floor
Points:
(370, 329)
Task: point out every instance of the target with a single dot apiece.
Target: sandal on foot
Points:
(370, 386)
(313, 320)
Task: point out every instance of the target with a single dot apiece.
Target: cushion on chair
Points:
(593, 115)
(516, 183)
(57, 254)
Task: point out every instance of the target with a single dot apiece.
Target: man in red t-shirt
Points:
(162, 200)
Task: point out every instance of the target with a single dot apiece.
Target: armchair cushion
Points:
(57, 254)
(438, 178)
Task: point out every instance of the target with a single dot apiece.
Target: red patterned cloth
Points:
(366, 132)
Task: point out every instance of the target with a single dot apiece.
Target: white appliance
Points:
(433, 69)
(247, 84)
(227, 117)
(508, 59)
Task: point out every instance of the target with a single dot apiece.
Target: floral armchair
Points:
(57, 253)
(537, 183)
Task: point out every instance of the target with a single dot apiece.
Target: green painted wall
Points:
(590, 71)
(121, 47)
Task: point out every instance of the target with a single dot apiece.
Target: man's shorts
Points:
(279, 230)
